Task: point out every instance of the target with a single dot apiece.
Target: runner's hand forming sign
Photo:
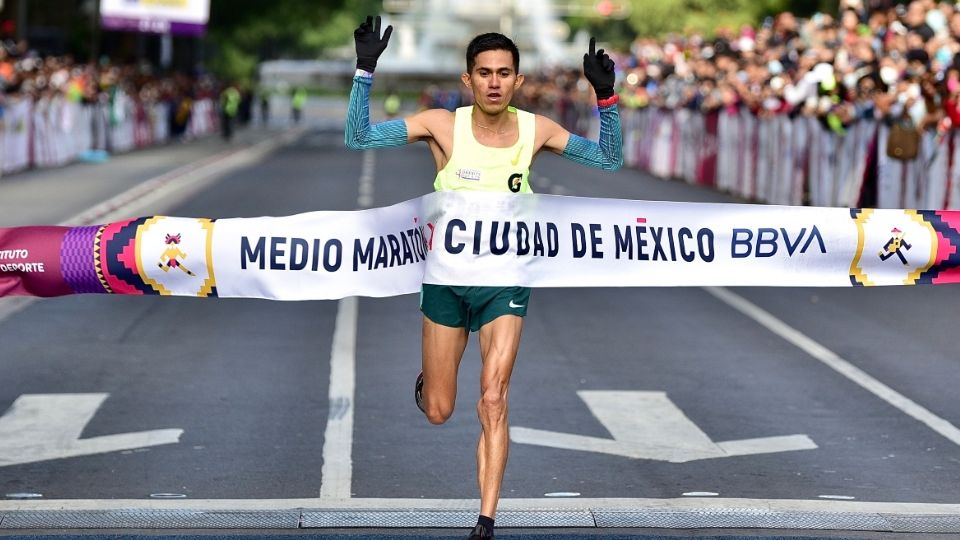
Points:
(598, 68)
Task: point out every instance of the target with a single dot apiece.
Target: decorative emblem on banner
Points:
(171, 257)
(178, 263)
(887, 231)
(894, 245)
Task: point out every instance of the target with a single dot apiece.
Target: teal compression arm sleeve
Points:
(608, 154)
(359, 134)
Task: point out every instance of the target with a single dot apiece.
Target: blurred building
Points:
(430, 36)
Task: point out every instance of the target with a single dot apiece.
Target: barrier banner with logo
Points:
(491, 239)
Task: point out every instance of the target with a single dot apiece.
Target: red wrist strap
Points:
(612, 100)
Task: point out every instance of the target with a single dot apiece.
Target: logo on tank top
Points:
(469, 174)
(514, 182)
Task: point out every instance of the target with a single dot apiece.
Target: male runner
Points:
(485, 147)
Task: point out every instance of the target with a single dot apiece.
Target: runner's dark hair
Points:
(491, 41)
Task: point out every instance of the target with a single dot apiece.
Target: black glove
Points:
(598, 68)
(369, 43)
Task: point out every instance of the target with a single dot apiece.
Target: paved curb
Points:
(517, 513)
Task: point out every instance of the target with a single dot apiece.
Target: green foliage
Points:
(657, 17)
(244, 32)
(660, 17)
(233, 64)
(618, 33)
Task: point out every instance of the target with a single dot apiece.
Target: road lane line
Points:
(838, 364)
(336, 474)
(173, 187)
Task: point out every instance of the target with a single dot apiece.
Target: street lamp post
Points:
(21, 19)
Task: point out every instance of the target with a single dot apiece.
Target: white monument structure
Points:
(430, 38)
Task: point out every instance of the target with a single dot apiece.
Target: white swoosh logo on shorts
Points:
(514, 306)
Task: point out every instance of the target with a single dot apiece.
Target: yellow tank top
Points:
(475, 167)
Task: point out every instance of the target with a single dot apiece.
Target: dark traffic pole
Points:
(21, 19)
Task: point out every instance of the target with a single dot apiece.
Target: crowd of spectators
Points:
(876, 59)
(26, 74)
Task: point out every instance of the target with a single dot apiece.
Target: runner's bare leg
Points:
(499, 342)
(443, 348)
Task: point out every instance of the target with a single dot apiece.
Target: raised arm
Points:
(359, 133)
(606, 154)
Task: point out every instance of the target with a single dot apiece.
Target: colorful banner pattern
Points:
(485, 239)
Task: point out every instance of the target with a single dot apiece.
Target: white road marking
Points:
(42, 427)
(336, 475)
(838, 364)
(647, 425)
(24, 495)
(169, 189)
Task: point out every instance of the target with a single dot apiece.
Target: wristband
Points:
(612, 100)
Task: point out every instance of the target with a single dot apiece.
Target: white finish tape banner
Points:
(486, 239)
(551, 241)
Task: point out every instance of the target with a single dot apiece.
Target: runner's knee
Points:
(438, 414)
(492, 404)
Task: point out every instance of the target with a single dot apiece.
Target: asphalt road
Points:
(247, 381)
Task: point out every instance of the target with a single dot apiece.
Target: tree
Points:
(659, 17)
(243, 33)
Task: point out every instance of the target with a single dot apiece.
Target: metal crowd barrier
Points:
(792, 161)
(54, 131)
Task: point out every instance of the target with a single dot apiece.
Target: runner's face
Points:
(493, 80)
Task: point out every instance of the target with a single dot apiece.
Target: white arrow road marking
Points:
(41, 427)
(647, 425)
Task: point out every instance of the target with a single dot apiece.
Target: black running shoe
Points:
(418, 392)
(481, 533)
